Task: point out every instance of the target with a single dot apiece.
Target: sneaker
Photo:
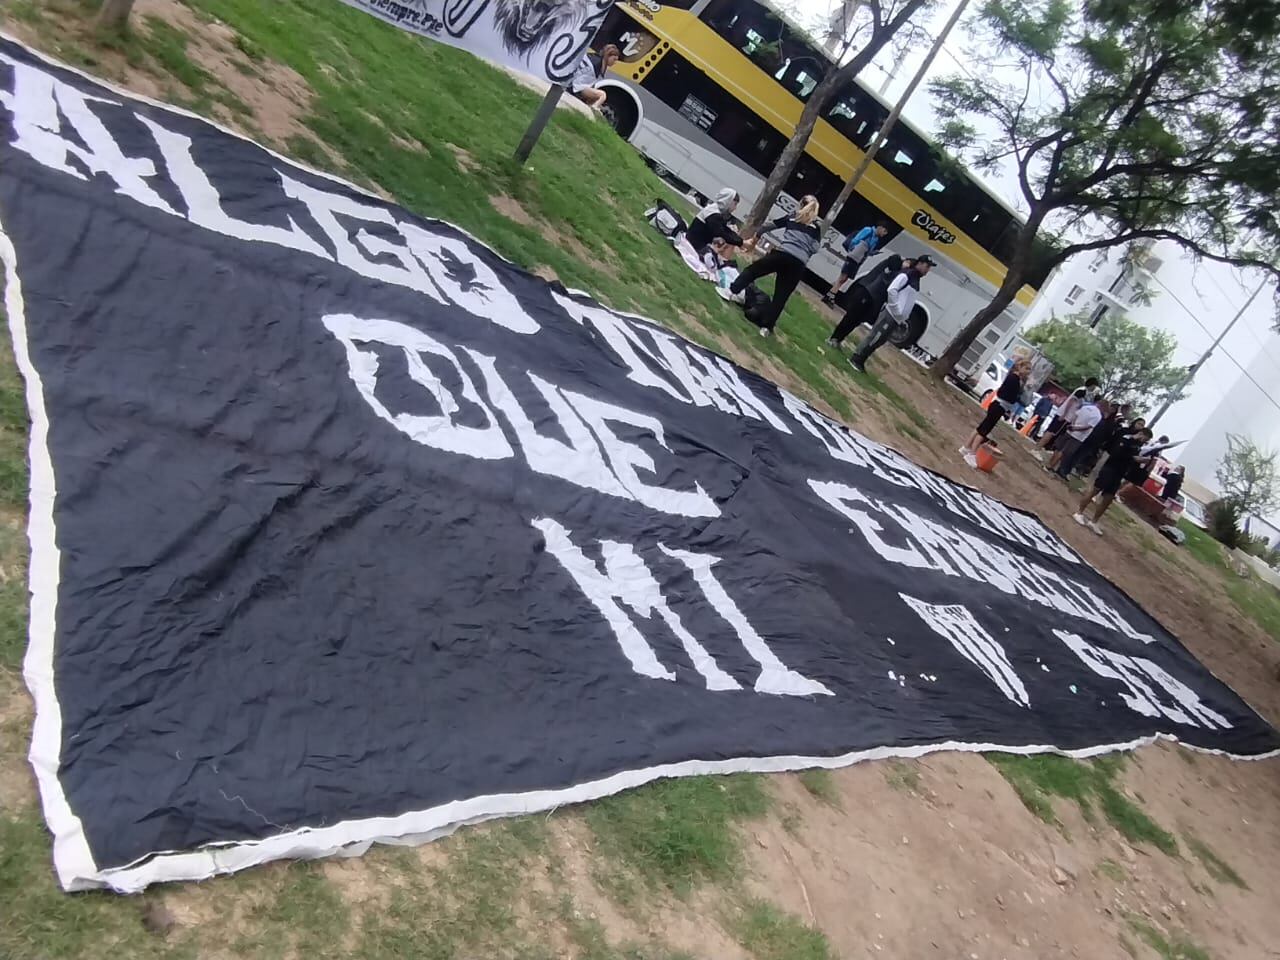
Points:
(829, 300)
(1095, 527)
(766, 332)
(1080, 519)
(857, 364)
(963, 450)
(833, 342)
(971, 460)
(725, 293)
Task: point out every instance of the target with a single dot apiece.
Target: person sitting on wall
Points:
(1173, 483)
(591, 70)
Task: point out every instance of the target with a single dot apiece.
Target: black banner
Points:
(344, 528)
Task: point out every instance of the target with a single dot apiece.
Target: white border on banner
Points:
(72, 857)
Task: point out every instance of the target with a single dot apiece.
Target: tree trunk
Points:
(114, 14)
(822, 95)
(1007, 293)
(786, 163)
(1014, 278)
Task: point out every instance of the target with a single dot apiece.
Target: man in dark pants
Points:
(866, 297)
(1104, 437)
(1041, 411)
(899, 300)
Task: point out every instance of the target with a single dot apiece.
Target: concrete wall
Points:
(1257, 567)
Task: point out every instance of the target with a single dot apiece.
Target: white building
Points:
(1125, 282)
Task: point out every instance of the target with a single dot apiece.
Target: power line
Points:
(1248, 376)
(1253, 333)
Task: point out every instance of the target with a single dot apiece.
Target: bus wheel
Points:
(906, 334)
(620, 112)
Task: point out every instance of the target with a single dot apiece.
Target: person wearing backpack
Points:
(799, 240)
(867, 296)
(857, 248)
(900, 300)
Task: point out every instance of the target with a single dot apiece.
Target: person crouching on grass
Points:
(1123, 461)
(1009, 393)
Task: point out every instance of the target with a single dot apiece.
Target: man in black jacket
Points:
(867, 296)
(1114, 427)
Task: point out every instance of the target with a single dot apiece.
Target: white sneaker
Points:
(971, 460)
(725, 293)
(964, 451)
(1096, 528)
(1080, 519)
(766, 332)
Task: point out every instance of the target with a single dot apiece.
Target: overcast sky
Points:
(1200, 299)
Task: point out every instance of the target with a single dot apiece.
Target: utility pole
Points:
(114, 14)
(1194, 368)
(539, 122)
(894, 114)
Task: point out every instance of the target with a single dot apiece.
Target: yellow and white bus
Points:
(710, 92)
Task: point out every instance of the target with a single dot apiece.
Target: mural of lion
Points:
(525, 25)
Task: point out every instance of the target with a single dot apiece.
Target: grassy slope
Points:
(1257, 600)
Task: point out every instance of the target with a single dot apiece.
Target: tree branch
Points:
(1156, 233)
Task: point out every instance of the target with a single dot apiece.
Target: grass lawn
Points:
(1257, 600)
(435, 128)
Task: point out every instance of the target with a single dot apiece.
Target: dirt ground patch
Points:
(270, 99)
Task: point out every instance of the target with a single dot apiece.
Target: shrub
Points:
(1224, 522)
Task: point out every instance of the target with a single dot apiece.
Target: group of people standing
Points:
(883, 296)
(1082, 429)
(1086, 427)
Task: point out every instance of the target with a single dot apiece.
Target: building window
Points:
(1099, 312)
(1074, 295)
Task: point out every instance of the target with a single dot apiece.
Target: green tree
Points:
(1249, 476)
(866, 25)
(1133, 363)
(1149, 119)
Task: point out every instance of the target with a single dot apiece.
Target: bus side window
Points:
(859, 212)
(989, 223)
(801, 75)
(812, 177)
(857, 115)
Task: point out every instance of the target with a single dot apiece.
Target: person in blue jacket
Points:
(856, 250)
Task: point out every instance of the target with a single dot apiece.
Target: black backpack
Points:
(663, 218)
(756, 304)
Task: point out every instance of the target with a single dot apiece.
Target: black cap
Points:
(927, 259)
